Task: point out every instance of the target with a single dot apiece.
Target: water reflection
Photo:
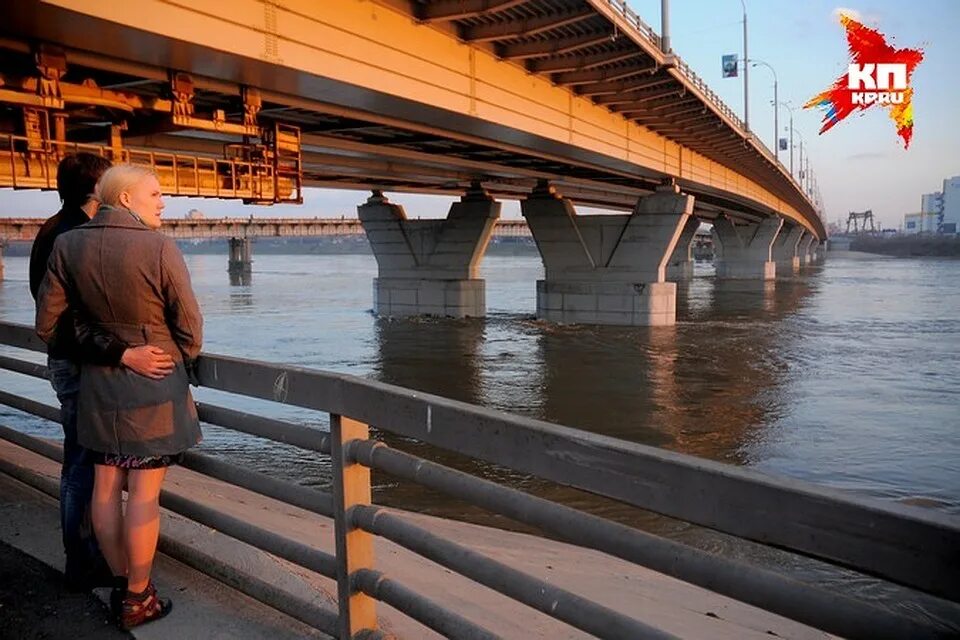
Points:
(240, 278)
(432, 355)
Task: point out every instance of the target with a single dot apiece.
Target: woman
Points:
(118, 274)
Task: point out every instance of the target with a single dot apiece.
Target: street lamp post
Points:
(746, 73)
(789, 108)
(776, 110)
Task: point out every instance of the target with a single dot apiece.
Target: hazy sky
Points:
(860, 164)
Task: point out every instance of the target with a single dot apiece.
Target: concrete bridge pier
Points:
(818, 251)
(805, 248)
(744, 251)
(785, 250)
(240, 260)
(607, 269)
(680, 266)
(430, 267)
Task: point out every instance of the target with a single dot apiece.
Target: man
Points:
(77, 176)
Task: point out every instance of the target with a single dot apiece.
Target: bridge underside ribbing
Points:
(510, 93)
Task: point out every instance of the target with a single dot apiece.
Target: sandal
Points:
(141, 608)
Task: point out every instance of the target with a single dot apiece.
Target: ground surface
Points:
(35, 606)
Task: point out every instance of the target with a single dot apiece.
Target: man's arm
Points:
(52, 300)
(99, 346)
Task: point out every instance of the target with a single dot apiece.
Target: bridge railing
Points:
(646, 32)
(28, 163)
(902, 545)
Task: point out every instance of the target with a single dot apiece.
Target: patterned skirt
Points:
(137, 462)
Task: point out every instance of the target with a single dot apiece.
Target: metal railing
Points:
(903, 545)
(26, 163)
(644, 31)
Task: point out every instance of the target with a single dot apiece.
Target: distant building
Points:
(914, 223)
(944, 206)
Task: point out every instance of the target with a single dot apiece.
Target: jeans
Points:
(76, 476)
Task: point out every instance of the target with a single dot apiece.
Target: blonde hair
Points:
(120, 178)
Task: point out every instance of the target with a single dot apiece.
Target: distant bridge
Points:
(25, 229)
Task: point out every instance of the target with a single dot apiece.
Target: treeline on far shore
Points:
(907, 246)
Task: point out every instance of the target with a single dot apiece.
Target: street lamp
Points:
(776, 121)
(789, 108)
(799, 177)
(746, 73)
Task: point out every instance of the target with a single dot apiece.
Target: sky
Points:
(860, 164)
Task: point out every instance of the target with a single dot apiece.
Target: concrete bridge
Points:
(557, 103)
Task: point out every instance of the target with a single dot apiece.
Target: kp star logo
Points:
(878, 74)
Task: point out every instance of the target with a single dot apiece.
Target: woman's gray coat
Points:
(116, 273)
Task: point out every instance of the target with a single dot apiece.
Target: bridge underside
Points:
(357, 137)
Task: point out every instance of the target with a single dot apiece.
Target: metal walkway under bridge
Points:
(261, 98)
(900, 550)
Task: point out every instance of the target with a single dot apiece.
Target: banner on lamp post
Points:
(729, 65)
(783, 144)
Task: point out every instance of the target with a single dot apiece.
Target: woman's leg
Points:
(142, 524)
(107, 514)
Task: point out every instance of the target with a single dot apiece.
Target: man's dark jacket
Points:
(95, 346)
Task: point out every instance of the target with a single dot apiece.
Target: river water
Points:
(847, 375)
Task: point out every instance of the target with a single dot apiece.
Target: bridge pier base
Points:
(680, 266)
(240, 260)
(607, 269)
(804, 249)
(429, 267)
(743, 252)
(784, 250)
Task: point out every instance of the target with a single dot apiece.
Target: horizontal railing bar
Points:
(451, 625)
(895, 542)
(831, 612)
(23, 366)
(30, 406)
(269, 428)
(287, 492)
(306, 612)
(558, 603)
(37, 445)
(295, 552)
(259, 589)
(296, 435)
(21, 336)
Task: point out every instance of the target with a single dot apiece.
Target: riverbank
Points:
(909, 246)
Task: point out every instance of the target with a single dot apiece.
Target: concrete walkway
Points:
(206, 608)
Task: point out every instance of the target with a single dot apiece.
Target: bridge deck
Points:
(413, 96)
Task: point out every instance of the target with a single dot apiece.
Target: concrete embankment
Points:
(208, 609)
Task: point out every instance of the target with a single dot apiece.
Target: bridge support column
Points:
(429, 267)
(607, 269)
(804, 248)
(1, 262)
(785, 250)
(743, 252)
(680, 266)
(818, 251)
(240, 261)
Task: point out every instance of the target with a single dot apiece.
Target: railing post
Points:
(351, 486)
